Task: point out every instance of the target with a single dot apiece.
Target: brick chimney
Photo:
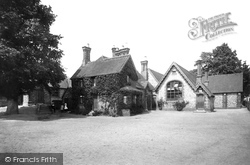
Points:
(199, 73)
(206, 81)
(86, 55)
(144, 69)
(120, 52)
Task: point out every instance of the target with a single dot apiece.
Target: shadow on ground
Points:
(29, 114)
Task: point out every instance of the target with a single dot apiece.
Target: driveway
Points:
(159, 137)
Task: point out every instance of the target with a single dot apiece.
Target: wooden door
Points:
(200, 102)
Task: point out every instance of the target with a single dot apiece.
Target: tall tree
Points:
(222, 60)
(29, 53)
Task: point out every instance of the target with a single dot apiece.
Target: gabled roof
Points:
(205, 88)
(105, 66)
(143, 82)
(189, 77)
(225, 83)
(158, 76)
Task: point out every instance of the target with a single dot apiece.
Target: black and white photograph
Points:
(124, 82)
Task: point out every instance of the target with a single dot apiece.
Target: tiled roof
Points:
(143, 82)
(205, 88)
(104, 66)
(226, 83)
(158, 76)
(189, 75)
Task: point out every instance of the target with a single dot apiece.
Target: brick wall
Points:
(187, 92)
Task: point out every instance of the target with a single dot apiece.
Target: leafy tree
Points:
(225, 61)
(29, 53)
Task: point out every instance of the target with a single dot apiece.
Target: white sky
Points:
(157, 29)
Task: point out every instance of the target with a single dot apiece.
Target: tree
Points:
(225, 61)
(29, 53)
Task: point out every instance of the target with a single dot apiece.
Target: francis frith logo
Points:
(210, 28)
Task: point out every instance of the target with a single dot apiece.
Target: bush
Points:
(180, 105)
(160, 104)
(248, 105)
(136, 109)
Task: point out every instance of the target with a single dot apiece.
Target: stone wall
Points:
(227, 100)
(218, 101)
(232, 100)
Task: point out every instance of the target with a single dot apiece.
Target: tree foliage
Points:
(29, 53)
(222, 60)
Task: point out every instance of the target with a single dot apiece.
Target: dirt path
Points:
(159, 137)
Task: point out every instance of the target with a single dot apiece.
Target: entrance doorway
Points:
(200, 101)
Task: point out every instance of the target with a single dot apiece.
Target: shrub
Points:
(248, 105)
(136, 109)
(180, 105)
(160, 103)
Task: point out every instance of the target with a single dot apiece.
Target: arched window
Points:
(174, 90)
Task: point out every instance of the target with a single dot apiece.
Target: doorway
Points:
(200, 101)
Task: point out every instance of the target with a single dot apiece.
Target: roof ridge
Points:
(226, 74)
(116, 57)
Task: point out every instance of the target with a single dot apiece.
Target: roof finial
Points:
(88, 44)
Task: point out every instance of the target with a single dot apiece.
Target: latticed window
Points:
(174, 90)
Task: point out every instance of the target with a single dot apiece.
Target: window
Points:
(135, 98)
(94, 83)
(128, 79)
(174, 90)
(125, 99)
(81, 99)
(174, 71)
(80, 83)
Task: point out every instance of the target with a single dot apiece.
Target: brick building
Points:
(201, 91)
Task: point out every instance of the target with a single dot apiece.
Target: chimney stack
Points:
(120, 52)
(86, 55)
(206, 81)
(113, 51)
(144, 69)
(199, 73)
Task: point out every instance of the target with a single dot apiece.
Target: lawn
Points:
(158, 137)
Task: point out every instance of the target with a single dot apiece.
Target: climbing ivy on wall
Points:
(82, 90)
(107, 88)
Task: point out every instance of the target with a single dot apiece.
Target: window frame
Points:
(173, 92)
